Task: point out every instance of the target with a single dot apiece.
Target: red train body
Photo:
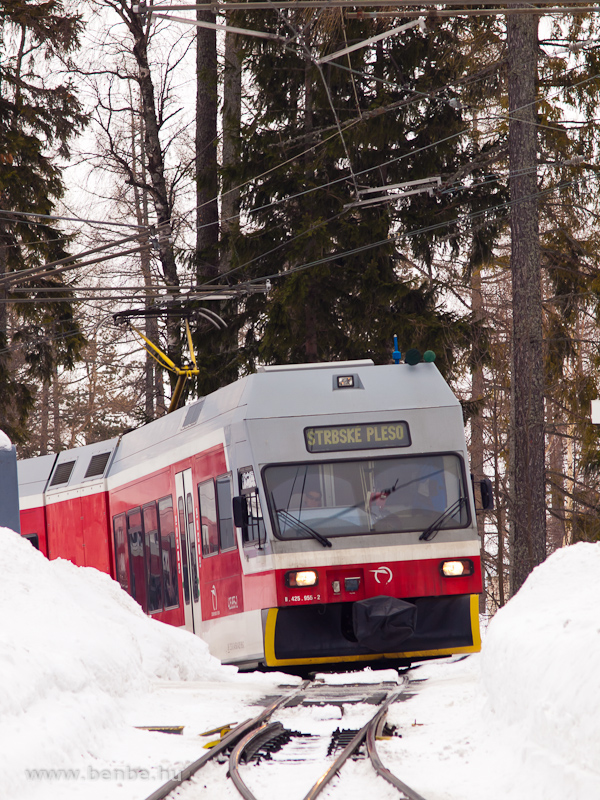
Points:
(304, 515)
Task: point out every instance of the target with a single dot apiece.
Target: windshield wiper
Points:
(432, 530)
(290, 518)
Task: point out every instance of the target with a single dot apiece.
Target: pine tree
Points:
(382, 116)
(38, 116)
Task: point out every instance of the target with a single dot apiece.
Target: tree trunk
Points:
(44, 410)
(557, 532)
(232, 113)
(207, 214)
(500, 510)
(310, 316)
(153, 376)
(527, 513)
(477, 422)
(156, 170)
(56, 412)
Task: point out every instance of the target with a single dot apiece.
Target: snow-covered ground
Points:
(81, 667)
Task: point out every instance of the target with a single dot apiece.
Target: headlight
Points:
(454, 569)
(301, 578)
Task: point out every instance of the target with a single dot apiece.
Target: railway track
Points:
(256, 738)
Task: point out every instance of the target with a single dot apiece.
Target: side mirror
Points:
(487, 494)
(240, 512)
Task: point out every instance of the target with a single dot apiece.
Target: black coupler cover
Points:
(383, 623)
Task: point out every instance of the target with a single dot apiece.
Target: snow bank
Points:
(5, 442)
(71, 644)
(541, 670)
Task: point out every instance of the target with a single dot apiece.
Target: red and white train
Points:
(304, 515)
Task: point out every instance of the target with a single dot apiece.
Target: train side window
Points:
(33, 538)
(137, 561)
(226, 530)
(121, 552)
(254, 530)
(208, 517)
(185, 578)
(153, 558)
(169, 552)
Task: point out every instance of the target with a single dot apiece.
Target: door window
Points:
(192, 540)
(184, 551)
(121, 551)
(169, 552)
(137, 566)
(208, 517)
(153, 558)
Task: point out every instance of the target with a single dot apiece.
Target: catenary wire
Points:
(78, 219)
(266, 5)
(505, 118)
(73, 219)
(411, 234)
(20, 345)
(354, 251)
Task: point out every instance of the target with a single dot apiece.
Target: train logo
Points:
(383, 572)
(213, 597)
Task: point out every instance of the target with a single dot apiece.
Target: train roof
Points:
(272, 392)
(312, 389)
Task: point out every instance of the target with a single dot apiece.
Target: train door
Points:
(189, 550)
(221, 569)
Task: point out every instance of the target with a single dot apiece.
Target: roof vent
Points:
(62, 473)
(193, 414)
(97, 465)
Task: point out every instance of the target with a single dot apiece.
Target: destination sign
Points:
(357, 437)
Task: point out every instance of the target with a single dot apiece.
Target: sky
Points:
(81, 668)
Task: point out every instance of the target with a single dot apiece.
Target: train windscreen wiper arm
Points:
(287, 517)
(431, 531)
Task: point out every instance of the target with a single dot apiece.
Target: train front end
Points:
(355, 498)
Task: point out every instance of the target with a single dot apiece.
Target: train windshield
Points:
(385, 495)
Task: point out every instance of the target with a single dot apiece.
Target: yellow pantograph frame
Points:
(161, 358)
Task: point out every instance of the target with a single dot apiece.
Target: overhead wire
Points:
(73, 287)
(446, 190)
(265, 5)
(412, 234)
(64, 264)
(62, 218)
(352, 176)
(38, 273)
(308, 54)
(298, 268)
(317, 144)
(476, 12)
(276, 7)
(505, 118)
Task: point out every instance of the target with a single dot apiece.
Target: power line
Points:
(270, 4)
(59, 218)
(64, 263)
(506, 117)
(154, 287)
(230, 293)
(222, 7)
(434, 14)
(412, 234)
